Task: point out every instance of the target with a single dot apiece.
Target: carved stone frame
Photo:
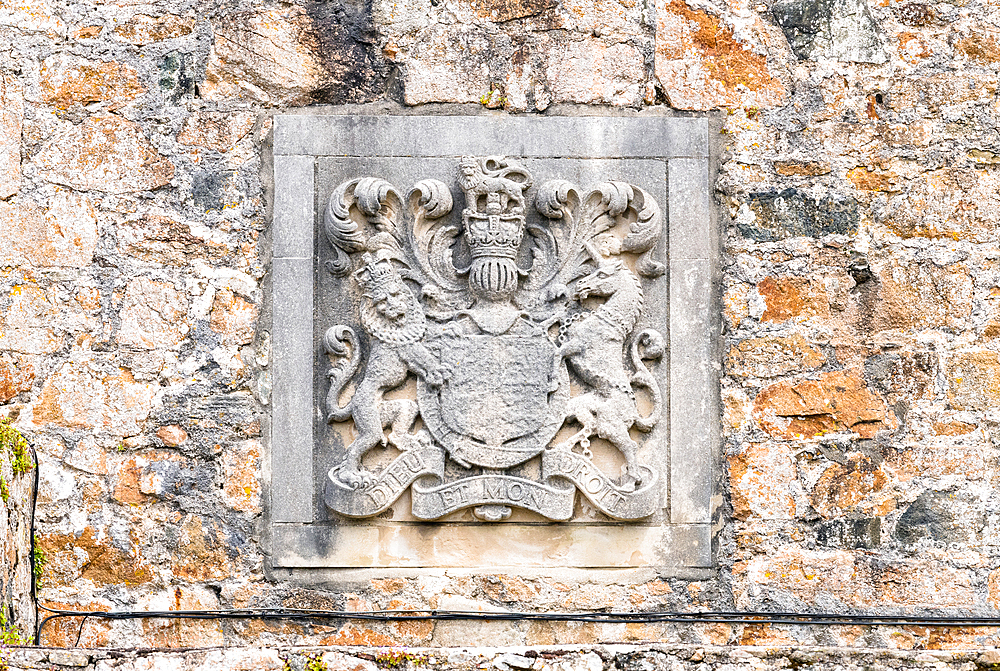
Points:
(304, 550)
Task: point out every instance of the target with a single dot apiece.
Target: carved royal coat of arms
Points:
(522, 339)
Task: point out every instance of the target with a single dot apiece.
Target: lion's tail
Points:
(335, 342)
(651, 343)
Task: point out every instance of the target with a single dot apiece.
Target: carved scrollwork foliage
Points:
(521, 331)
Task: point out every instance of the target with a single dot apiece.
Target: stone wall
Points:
(571, 658)
(17, 610)
(861, 295)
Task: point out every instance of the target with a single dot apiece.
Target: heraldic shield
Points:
(523, 341)
(501, 404)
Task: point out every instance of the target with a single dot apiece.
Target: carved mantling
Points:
(532, 336)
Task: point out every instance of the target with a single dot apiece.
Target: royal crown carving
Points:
(520, 330)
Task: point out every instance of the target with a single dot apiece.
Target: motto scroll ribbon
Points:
(602, 492)
(551, 500)
(382, 492)
(423, 469)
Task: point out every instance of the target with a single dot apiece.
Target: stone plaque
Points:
(492, 343)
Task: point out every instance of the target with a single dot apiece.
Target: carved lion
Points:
(394, 320)
(493, 175)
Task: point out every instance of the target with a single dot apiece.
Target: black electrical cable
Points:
(704, 617)
(669, 617)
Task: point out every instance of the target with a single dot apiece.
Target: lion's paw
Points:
(355, 478)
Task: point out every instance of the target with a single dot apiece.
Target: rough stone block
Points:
(91, 557)
(993, 595)
(762, 479)
(929, 94)
(974, 380)
(809, 575)
(244, 660)
(938, 516)
(271, 56)
(216, 130)
(16, 375)
(792, 298)
(982, 46)
(952, 203)
(796, 168)
(773, 357)
(834, 29)
(433, 75)
(233, 318)
(68, 80)
(88, 457)
(152, 315)
(856, 487)
(63, 234)
(77, 395)
(171, 435)
(182, 633)
(241, 468)
(836, 401)
(545, 70)
(790, 213)
(702, 63)
(156, 238)
(142, 29)
(27, 321)
(32, 16)
(104, 153)
(594, 72)
(69, 658)
(201, 553)
(11, 117)
(920, 295)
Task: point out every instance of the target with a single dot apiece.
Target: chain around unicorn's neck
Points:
(622, 308)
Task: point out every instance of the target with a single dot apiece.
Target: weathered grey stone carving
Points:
(399, 469)
(514, 332)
